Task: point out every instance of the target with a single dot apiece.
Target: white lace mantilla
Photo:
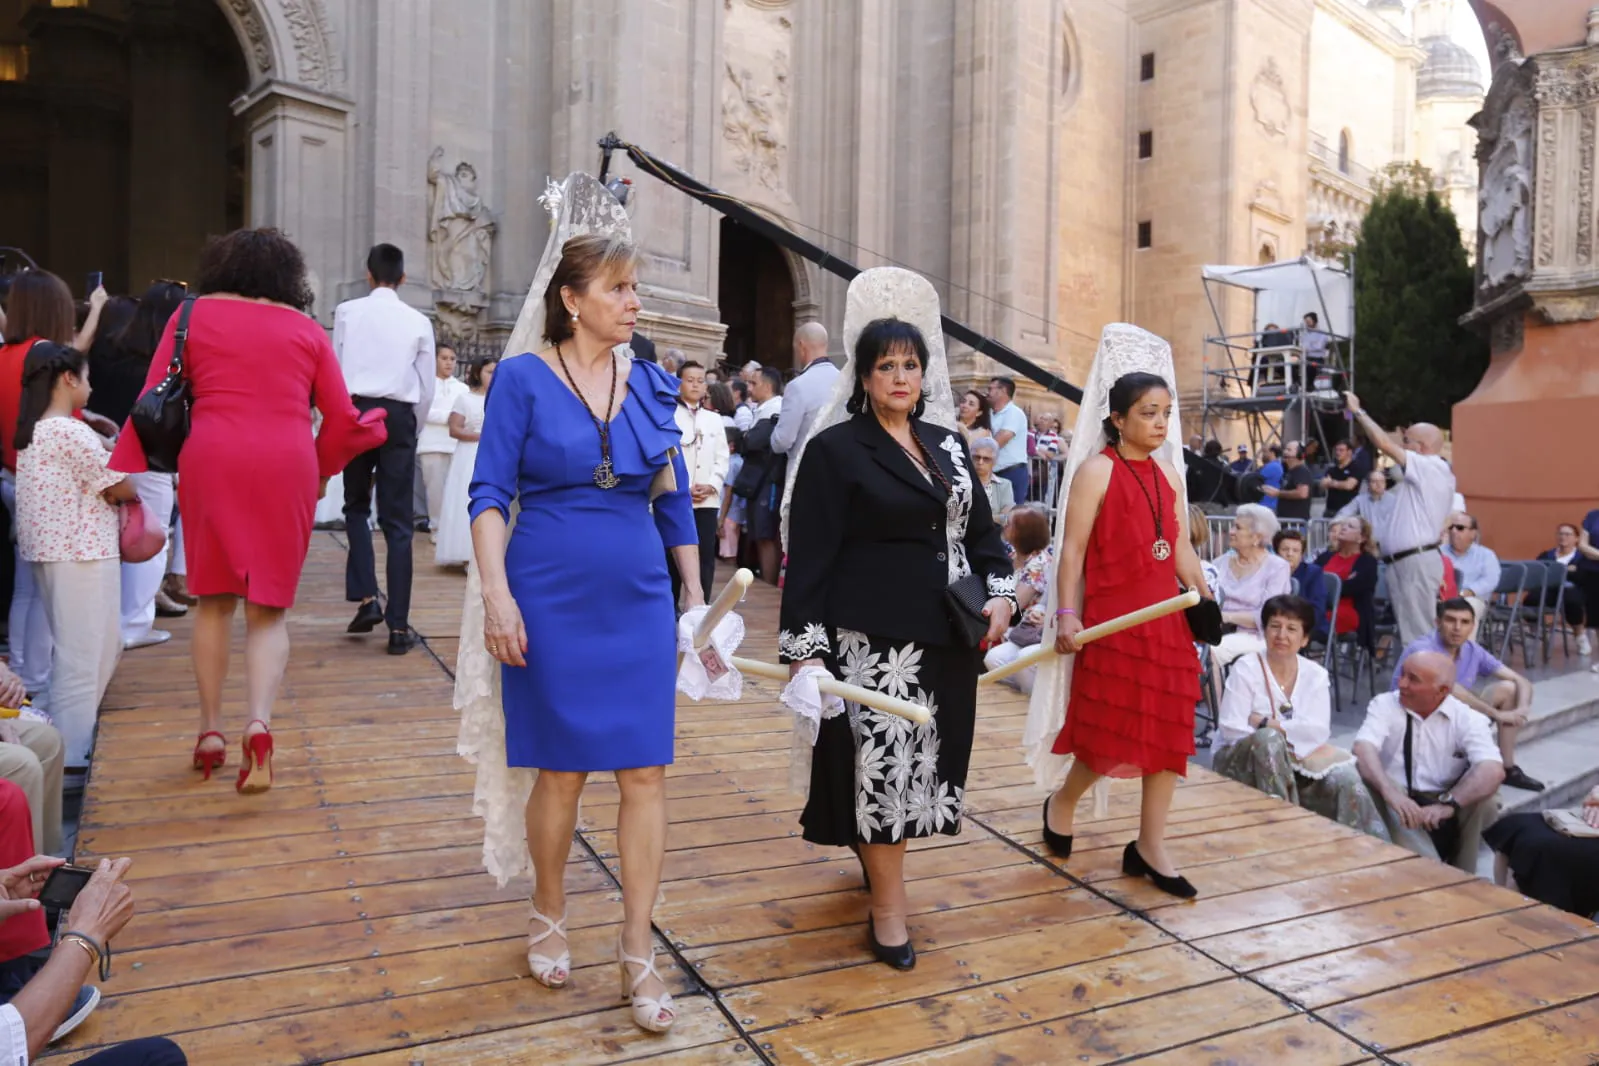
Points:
(1123, 349)
(580, 205)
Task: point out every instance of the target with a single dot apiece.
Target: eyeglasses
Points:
(1461, 529)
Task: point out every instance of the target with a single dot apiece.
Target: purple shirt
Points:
(1475, 662)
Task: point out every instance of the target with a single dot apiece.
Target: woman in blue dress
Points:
(577, 602)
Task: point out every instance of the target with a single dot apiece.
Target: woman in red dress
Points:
(1126, 546)
(250, 472)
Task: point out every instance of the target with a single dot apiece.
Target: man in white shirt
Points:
(1431, 763)
(812, 386)
(434, 445)
(1009, 423)
(1411, 526)
(705, 457)
(1477, 567)
(386, 350)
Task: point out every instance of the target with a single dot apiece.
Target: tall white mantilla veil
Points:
(1123, 349)
(578, 206)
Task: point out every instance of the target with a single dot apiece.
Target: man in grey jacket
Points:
(804, 396)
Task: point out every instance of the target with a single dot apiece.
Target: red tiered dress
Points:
(1133, 693)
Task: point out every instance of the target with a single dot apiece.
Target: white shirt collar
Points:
(383, 292)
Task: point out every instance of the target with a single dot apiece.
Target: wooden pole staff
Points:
(833, 687)
(731, 593)
(1043, 650)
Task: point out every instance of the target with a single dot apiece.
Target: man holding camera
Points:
(1431, 763)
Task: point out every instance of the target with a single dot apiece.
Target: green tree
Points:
(1413, 359)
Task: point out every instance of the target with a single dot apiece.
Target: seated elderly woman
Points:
(1027, 532)
(1246, 577)
(1549, 865)
(1275, 721)
(1001, 497)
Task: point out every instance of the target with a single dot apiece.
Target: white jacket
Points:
(705, 453)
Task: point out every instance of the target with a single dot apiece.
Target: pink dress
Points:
(248, 474)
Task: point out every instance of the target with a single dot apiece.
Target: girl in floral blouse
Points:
(67, 530)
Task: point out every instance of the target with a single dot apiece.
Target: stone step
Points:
(1566, 760)
(1562, 702)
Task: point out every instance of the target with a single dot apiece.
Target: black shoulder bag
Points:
(161, 415)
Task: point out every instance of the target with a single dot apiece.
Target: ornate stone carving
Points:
(255, 33)
(1505, 200)
(1567, 81)
(315, 59)
(1505, 335)
(756, 91)
(1268, 98)
(460, 241)
(1585, 180)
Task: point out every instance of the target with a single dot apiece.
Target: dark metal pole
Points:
(745, 216)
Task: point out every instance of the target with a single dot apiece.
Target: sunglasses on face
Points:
(1461, 529)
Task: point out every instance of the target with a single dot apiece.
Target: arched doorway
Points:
(756, 299)
(122, 152)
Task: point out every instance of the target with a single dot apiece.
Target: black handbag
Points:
(161, 415)
(964, 600)
(1204, 621)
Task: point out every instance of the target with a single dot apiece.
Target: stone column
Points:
(177, 170)
(297, 179)
(1519, 437)
(401, 142)
(80, 75)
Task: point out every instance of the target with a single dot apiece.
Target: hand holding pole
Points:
(1044, 649)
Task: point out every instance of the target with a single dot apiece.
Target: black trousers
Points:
(392, 465)
(705, 526)
(151, 1051)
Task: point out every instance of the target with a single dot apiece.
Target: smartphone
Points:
(61, 888)
(96, 279)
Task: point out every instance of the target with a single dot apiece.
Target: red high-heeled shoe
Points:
(256, 776)
(210, 760)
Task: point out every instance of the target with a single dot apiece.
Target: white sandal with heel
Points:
(647, 1010)
(551, 973)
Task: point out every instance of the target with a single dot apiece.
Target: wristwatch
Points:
(1448, 800)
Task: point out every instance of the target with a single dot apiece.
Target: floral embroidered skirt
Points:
(877, 778)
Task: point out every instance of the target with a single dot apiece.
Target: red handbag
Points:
(141, 535)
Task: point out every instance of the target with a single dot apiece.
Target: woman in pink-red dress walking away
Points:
(250, 472)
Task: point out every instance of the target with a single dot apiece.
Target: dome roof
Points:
(1450, 70)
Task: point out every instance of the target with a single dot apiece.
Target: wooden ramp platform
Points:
(344, 916)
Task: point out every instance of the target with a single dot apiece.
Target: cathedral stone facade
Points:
(1053, 165)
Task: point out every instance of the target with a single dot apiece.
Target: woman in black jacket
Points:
(886, 515)
(1353, 558)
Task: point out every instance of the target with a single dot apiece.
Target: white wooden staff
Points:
(877, 701)
(1043, 650)
(731, 593)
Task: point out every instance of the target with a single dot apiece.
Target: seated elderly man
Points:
(1476, 566)
(1482, 682)
(31, 756)
(1276, 720)
(1430, 763)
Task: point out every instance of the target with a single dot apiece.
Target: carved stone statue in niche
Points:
(460, 238)
(1268, 98)
(758, 37)
(1505, 202)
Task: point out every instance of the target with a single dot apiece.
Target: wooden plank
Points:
(1484, 995)
(1563, 1036)
(1359, 971)
(1298, 1039)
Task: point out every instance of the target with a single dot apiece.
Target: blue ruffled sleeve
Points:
(660, 441)
(506, 416)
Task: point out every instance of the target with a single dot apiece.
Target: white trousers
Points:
(141, 581)
(82, 600)
(1413, 584)
(434, 470)
(175, 561)
(31, 646)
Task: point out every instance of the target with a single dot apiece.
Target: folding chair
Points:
(1504, 608)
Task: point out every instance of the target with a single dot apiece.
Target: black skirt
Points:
(880, 779)
(1549, 866)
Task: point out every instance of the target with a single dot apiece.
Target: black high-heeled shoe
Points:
(899, 956)
(866, 878)
(1134, 865)
(1058, 843)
